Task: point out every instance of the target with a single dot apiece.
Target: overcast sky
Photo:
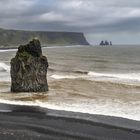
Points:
(115, 20)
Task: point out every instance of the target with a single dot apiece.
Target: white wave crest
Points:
(64, 76)
(101, 107)
(117, 76)
(4, 67)
(8, 50)
(94, 76)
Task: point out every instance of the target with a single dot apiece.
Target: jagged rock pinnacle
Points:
(29, 69)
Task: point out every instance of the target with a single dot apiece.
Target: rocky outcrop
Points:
(29, 69)
(105, 43)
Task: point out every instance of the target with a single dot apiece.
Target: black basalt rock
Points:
(29, 69)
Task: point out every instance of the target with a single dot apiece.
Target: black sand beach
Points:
(27, 123)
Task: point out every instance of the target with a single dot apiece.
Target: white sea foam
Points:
(8, 50)
(4, 72)
(109, 108)
(4, 67)
(117, 76)
(4, 101)
(94, 76)
(55, 76)
(100, 107)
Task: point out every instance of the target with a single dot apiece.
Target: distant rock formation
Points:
(102, 43)
(105, 43)
(29, 69)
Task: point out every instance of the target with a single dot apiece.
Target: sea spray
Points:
(4, 67)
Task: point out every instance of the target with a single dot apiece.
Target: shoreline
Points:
(42, 123)
(44, 47)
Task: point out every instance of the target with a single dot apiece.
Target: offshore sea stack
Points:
(29, 69)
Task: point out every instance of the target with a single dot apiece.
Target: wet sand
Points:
(26, 123)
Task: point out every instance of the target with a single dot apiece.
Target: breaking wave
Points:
(110, 107)
(4, 67)
(91, 75)
(55, 76)
(117, 76)
(8, 50)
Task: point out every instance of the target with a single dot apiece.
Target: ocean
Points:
(88, 79)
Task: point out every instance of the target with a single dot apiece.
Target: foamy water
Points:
(129, 77)
(8, 50)
(100, 107)
(4, 67)
(84, 80)
(130, 110)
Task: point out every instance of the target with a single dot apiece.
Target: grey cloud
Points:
(97, 17)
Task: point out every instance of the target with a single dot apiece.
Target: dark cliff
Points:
(16, 37)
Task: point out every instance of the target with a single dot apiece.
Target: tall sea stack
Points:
(29, 69)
